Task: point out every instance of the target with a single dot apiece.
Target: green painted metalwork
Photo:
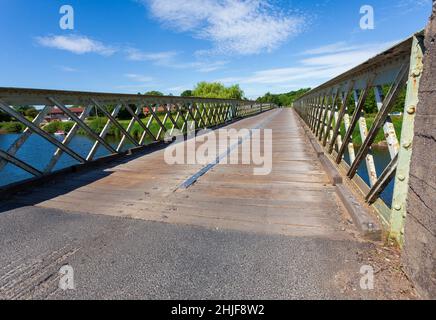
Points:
(399, 210)
(400, 68)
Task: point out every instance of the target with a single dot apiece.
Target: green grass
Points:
(97, 125)
(52, 127)
(11, 127)
(397, 121)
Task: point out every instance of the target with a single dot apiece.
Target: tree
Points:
(154, 93)
(217, 90)
(31, 113)
(370, 106)
(284, 99)
(4, 117)
(28, 111)
(186, 93)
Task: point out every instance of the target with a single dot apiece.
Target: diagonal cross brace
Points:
(381, 117)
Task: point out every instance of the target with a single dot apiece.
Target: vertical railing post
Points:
(401, 187)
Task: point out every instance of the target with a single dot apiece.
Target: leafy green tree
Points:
(28, 111)
(187, 93)
(31, 113)
(154, 93)
(370, 106)
(4, 117)
(217, 90)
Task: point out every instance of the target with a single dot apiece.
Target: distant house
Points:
(57, 114)
(160, 109)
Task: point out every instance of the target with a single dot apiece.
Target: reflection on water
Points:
(38, 152)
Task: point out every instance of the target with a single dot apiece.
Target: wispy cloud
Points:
(75, 44)
(413, 3)
(177, 90)
(134, 87)
(171, 59)
(319, 65)
(67, 69)
(343, 46)
(160, 58)
(138, 77)
(233, 26)
(139, 82)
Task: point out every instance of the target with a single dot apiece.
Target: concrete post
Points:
(419, 255)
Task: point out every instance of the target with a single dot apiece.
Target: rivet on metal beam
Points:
(407, 145)
(401, 177)
(416, 72)
(411, 110)
(398, 207)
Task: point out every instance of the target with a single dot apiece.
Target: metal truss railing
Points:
(155, 116)
(335, 112)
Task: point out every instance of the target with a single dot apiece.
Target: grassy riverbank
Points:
(380, 139)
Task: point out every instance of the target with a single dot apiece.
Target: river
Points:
(38, 152)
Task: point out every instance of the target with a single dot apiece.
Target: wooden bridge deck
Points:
(295, 199)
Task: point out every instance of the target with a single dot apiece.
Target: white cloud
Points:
(76, 44)
(169, 59)
(323, 63)
(367, 50)
(329, 48)
(413, 3)
(285, 75)
(138, 77)
(160, 58)
(179, 89)
(67, 69)
(234, 26)
(202, 66)
(348, 59)
(140, 82)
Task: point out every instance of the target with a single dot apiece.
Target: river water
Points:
(381, 160)
(38, 152)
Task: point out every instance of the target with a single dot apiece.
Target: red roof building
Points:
(57, 114)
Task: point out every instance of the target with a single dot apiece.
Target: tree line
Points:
(209, 90)
(282, 99)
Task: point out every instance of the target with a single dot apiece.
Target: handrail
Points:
(26, 96)
(334, 118)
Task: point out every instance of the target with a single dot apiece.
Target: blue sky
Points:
(132, 46)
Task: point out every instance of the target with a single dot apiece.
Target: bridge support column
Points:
(419, 255)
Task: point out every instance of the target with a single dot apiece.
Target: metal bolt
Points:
(397, 207)
(407, 145)
(411, 110)
(401, 177)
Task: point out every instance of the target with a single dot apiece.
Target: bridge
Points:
(131, 225)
